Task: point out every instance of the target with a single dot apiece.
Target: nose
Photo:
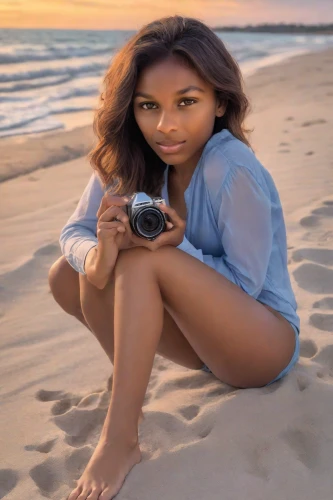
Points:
(167, 123)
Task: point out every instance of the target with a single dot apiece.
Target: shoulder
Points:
(95, 185)
(225, 158)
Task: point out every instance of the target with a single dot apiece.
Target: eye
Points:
(188, 100)
(147, 103)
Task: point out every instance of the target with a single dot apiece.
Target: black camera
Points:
(145, 217)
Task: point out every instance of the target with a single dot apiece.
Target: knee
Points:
(63, 282)
(140, 258)
(56, 274)
(132, 257)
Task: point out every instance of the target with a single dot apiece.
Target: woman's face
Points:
(166, 114)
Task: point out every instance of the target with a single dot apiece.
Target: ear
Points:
(221, 107)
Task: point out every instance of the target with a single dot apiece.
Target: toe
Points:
(106, 494)
(94, 495)
(75, 493)
(84, 494)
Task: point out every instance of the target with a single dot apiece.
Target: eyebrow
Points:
(179, 92)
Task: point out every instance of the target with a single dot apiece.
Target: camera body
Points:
(145, 217)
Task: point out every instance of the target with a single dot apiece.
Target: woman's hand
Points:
(174, 234)
(113, 225)
(113, 234)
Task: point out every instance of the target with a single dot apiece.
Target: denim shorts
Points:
(290, 365)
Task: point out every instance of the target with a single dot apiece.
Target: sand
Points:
(201, 439)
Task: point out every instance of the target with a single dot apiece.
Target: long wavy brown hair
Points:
(122, 156)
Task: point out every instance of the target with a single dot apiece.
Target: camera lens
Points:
(149, 222)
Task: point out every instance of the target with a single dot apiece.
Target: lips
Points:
(169, 143)
(173, 148)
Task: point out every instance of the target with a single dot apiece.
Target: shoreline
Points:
(26, 153)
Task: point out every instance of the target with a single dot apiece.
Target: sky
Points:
(132, 14)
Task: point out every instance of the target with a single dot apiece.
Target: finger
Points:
(169, 225)
(102, 207)
(112, 213)
(105, 234)
(118, 201)
(175, 218)
(111, 225)
(109, 200)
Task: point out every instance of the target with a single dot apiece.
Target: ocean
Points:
(45, 73)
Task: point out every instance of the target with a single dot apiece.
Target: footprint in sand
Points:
(189, 412)
(303, 381)
(80, 424)
(45, 447)
(323, 256)
(64, 401)
(303, 440)
(308, 348)
(313, 122)
(76, 461)
(46, 476)
(325, 303)
(323, 322)
(320, 218)
(8, 481)
(315, 276)
(80, 417)
(326, 211)
(257, 459)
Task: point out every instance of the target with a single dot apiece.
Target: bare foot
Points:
(106, 470)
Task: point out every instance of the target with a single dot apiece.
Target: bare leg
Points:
(94, 309)
(81, 299)
(74, 293)
(64, 285)
(135, 347)
(248, 349)
(138, 325)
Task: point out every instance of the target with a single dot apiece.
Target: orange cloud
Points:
(132, 14)
(104, 14)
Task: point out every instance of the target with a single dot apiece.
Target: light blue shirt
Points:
(235, 223)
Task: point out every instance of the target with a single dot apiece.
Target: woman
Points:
(212, 292)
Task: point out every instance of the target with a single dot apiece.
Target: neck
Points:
(182, 173)
(180, 177)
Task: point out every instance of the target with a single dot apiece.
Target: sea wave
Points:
(48, 81)
(18, 54)
(69, 71)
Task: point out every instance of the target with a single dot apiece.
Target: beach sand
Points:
(200, 438)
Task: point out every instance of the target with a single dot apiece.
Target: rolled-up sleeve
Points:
(78, 236)
(245, 225)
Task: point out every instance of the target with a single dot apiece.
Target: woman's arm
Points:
(78, 236)
(245, 225)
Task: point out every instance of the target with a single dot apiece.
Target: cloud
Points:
(131, 14)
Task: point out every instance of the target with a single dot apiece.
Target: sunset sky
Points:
(131, 14)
